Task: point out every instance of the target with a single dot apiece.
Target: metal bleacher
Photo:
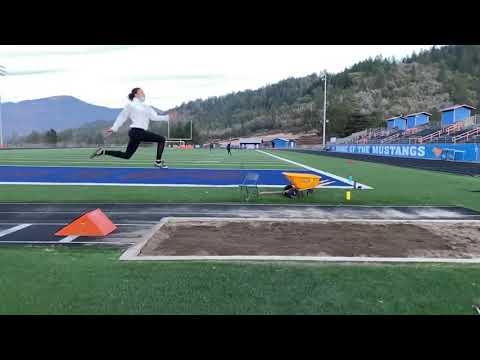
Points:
(471, 134)
(428, 131)
(467, 130)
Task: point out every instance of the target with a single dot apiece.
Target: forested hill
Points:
(362, 95)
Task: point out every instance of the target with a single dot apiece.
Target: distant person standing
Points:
(229, 147)
(273, 144)
(211, 146)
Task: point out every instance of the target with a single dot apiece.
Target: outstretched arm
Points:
(121, 118)
(171, 116)
(155, 117)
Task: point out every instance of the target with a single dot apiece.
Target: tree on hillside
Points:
(434, 54)
(51, 137)
(377, 119)
(342, 80)
(442, 74)
(33, 138)
(380, 81)
(476, 86)
(338, 115)
(436, 116)
(65, 136)
(355, 119)
(99, 139)
(413, 72)
(356, 122)
(459, 90)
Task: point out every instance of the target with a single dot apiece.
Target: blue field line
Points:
(134, 176)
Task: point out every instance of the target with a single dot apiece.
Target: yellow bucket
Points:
(303, 181)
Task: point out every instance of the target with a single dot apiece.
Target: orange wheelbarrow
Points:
(300, 184)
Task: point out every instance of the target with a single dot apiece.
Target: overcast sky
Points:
(170, 75)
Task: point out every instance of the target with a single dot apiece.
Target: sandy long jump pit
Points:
(312, 240)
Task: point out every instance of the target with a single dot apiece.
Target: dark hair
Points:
(132, 93)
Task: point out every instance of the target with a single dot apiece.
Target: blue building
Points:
(282, 143)
(455, 113)
(399, 122)
(417, 119)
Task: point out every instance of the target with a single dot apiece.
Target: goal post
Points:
(190, 138)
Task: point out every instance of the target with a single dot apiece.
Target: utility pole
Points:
(3, 72)
(324, 106)
(311, 114)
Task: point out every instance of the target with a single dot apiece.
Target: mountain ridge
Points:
(59, 112)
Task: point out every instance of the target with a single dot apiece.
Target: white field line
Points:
(220, 216)
(134, 162)
(215, 215)
(151, 223)
(13, 229)
(251, 205)
(106, 162)
(316, 170)
(271, 167)
(73, 242)
(144, 167)
(234, 205)
(161, 212)
(120, 184)
(154, 185)
(69, 238)
(144, 160)
(317, 220)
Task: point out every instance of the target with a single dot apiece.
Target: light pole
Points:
(324, 105)
(3, 72)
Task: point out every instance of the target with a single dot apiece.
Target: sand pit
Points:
(179, 237)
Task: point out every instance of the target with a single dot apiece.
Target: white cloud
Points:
(172, 74)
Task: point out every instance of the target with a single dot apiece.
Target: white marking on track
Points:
(146, 223)
(73, 242)
(69, 238)
(13, 229)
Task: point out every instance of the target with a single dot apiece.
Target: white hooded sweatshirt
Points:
(140, 114)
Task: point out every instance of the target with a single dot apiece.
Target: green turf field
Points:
(42, 280)
(87, 281)
(392, 185)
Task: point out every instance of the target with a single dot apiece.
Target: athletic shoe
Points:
(161, 164)
(98, 152)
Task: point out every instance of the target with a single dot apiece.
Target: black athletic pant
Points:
(136, 137)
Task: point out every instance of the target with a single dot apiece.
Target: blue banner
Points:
(454, 152)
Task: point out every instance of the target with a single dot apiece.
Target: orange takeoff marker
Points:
(92, 223)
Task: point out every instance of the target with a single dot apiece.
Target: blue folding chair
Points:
(249, 186)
